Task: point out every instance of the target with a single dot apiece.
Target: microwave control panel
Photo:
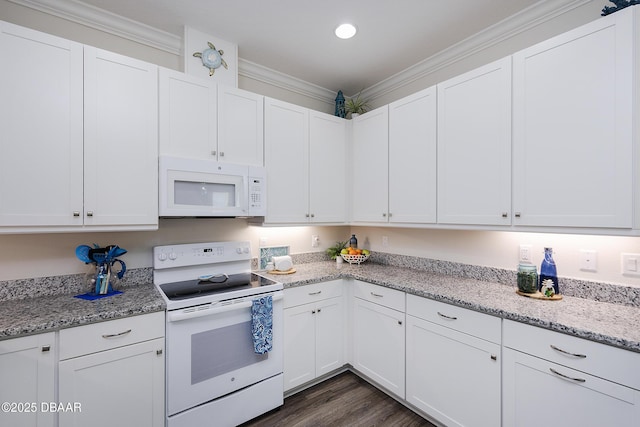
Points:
(257, 192)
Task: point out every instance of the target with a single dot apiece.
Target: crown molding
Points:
(529, 18)
(120, 26)
(108, 22)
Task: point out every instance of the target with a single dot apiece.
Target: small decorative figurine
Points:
(619, 4)
(340, 111)
(211, 58)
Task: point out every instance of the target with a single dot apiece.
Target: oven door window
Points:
(210, 359)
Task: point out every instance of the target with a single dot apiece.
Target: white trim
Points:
(120, 26)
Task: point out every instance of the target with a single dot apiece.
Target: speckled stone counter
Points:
(53, 312)
(613, 324)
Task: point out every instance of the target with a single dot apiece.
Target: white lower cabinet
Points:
(379, 335)
(453, 363)
(314, 332)
(114, 371)
(27, 380)
(558, 380)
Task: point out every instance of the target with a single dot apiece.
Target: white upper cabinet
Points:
(79, 137)
(120, 140)
(305, 156)
(327, 168)
(412, 158)
(40, 129)
(202, 120)
(287, 162)
(370, 166)
(240, 126)
(573, 119)
(474, 146)
(188, 115)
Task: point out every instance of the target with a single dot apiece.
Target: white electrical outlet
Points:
(630, 264)
(588, 260)
(525, 254)
(263, 241)
(385, 241)
(315, 241)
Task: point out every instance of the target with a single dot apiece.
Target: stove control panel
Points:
(193, 254)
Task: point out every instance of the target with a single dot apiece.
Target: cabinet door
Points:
(299, 345)
(370, 166)
(240, 126)
(328, 181)
(27, 378)
(329, 335)
(573, 118)
(40, 129)
(537, 393)
(188, 115)
(474, 146)
(120, 141)
(123, 386)
(412, 158)
(452, 376)
(378, 345)
(287, 162)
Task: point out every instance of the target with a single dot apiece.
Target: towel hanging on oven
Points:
(262, 324)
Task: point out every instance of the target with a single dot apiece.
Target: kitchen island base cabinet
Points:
(452, 375)
(27, 380)
(379, 336)
(313, 332)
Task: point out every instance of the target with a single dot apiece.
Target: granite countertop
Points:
(50, 313)
(612, 324)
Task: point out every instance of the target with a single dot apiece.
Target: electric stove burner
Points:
(213, 285)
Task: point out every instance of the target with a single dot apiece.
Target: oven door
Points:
(210, 351)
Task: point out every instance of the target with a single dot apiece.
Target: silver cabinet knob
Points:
(76, 213)
(384, 215)
(518, 214)
(505, 214)
(222, 154)
(214, 153)
(89, 213)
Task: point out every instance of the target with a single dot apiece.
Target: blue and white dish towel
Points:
(262, 324)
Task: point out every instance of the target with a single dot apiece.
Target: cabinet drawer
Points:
(387, 297)
(601, 360)
(460, 319)
(102, 336)
(310, 293)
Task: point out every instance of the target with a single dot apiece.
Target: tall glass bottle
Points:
(548, 270)
(353, 242)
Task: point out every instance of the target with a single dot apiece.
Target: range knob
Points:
(173, 256)
(162, 257)
(239, 250)
(245, 250)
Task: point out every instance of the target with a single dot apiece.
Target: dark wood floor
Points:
(344, 400)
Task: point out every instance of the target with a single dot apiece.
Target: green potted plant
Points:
(334, 251)
(356, 106)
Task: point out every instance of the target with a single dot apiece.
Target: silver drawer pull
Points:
(46, 348)
(315, 293)
(447, 317)
(377, 295)
(579, 356)
(578, 380)
(128, 331)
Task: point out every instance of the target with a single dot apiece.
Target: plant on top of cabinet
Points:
(356, 105)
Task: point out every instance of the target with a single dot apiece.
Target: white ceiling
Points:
(296, 37)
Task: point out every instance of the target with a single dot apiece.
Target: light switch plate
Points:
(630, 264)
(525, 254)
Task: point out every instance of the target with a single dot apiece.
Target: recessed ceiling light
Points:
(346, 31)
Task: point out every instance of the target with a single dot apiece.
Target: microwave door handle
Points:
(185, 315)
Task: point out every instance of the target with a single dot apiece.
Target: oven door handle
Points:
(210, 310)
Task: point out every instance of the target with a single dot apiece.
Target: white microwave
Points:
(206, 188)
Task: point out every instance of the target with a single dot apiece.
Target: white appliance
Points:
(206, 188)
(213, 374)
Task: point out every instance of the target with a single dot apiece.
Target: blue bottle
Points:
(548, 270)
(353, 242)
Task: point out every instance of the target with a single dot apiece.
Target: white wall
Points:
(29, 255)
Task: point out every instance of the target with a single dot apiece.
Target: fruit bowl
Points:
(355, 259)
